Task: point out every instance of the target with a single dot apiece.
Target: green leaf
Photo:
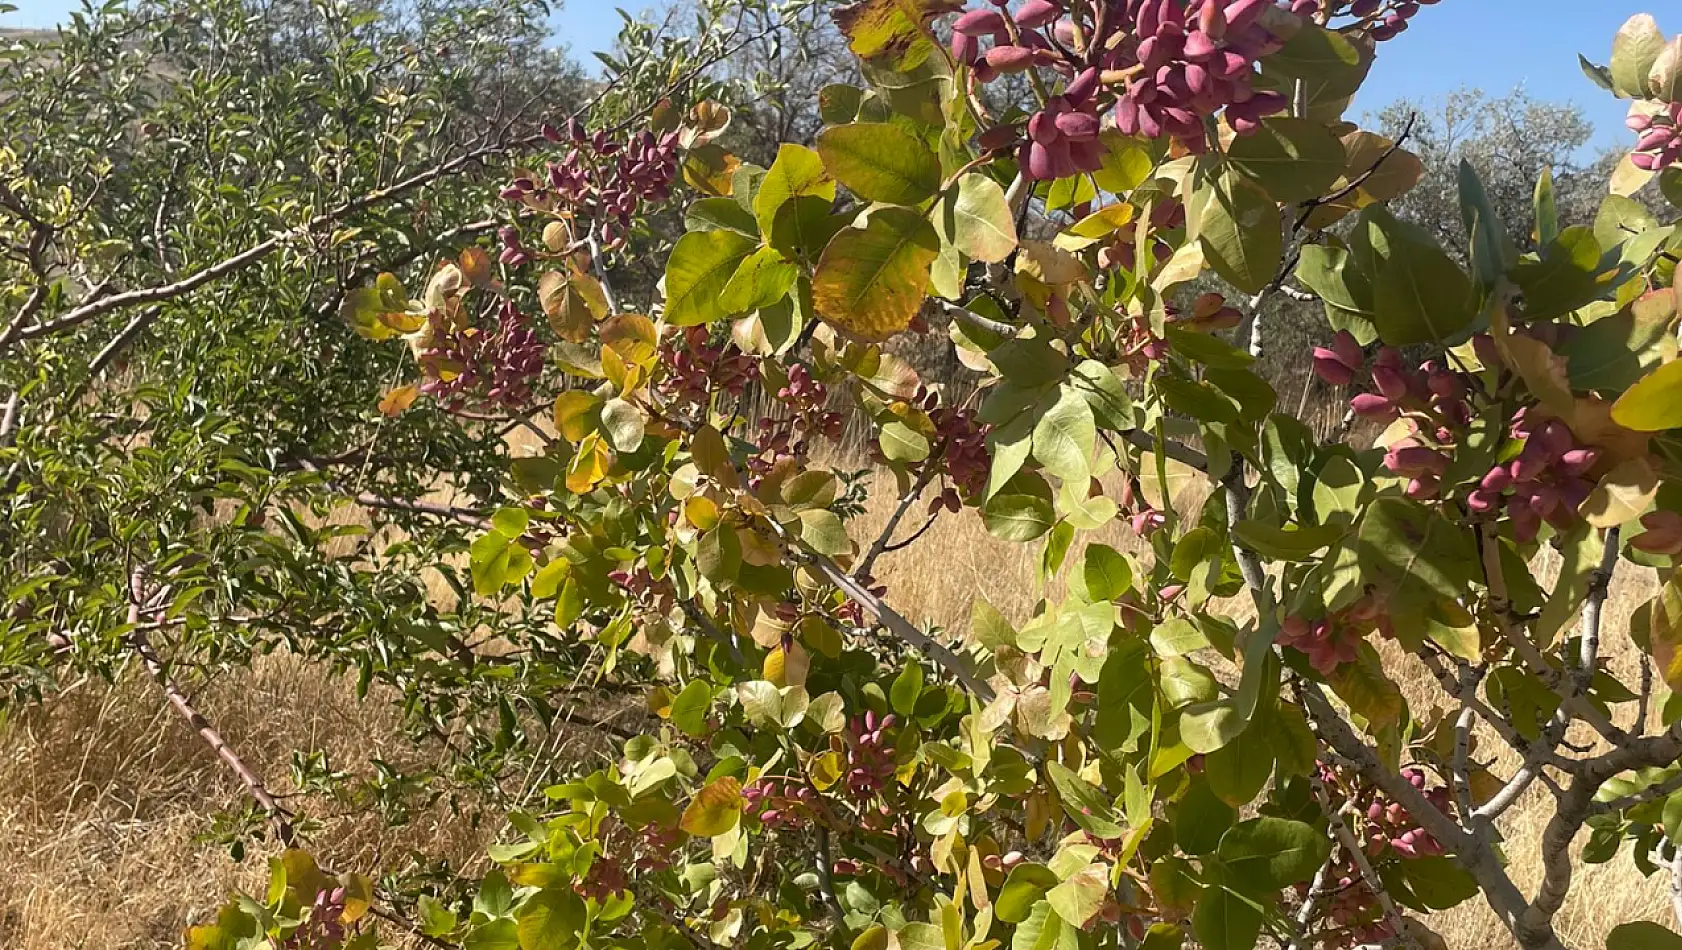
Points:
(623, 424)
(1567, 275)
(689, 709)
(1634, 51)
(1290, 543)
(1043, 930)
(1238, 225)
(1491, 247)
(981, 223)
(1105, 573)
(720, 214)
(1126, 697)
(1546, 207)
(1654, 403)
(551, 919)
(1407, 550)
(1292, 159)
(1177, 636)
(1266, 854)
(907, 689)
(1084, 802)
(1439, 881)
(880, 162)
(1420, 294)
(718, 555)
(1612, 353)
(823, 531)
(495, 561)
(1078, 898)
(797, 172)
(838, 103)
(901, 443)
(1112, 408)
(700, 266)
(762, 703)
(1201, 819)
(1021, 510)
(1224, 920)
(1239, 770)
(761, 280)
(1642, 935)
(1024, 887)
(921, 936)
(1065, 436)
(804, 226)
(871, 281)
(1329, 65)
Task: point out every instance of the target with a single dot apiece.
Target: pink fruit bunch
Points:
(601, 178)
(870, 754)
(1660, 144)
(1333, 640)
(498, 367)
(780, 805)
(1545, 482)
(696, 367)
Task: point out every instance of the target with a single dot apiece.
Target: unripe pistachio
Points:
(1037, 13)
(1374, 406)
(1010, 59)
(979, 23)
(1663, 534)
(1081, 87)
(965, 48)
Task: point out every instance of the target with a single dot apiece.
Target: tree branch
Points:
(279, 817)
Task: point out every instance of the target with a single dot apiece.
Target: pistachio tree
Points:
(1198, 739)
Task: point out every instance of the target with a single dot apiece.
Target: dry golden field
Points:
(106, 796)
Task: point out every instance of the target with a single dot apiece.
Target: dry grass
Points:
(108, 796)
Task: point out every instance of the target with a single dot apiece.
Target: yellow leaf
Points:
(396, 400)
(576, 414)
(825, 770)
(588, 467)
(715, 809)
(359, 896)
(475, 265)
(1622, 495)
(1664, 631)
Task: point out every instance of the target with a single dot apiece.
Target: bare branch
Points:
(279, 817)
(883, 539)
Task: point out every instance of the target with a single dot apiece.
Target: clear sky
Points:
(1496, 45)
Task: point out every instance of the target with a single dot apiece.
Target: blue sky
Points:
(1493, 44)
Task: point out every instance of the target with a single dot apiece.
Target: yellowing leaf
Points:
(1622, 495)
(871, 281)
(715, 809)
(700, 266)
(1664, 632)
(1654, 403)
(398, 399)
(825, 770)
(577, 414)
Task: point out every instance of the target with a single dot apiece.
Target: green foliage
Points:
(1132, 759)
